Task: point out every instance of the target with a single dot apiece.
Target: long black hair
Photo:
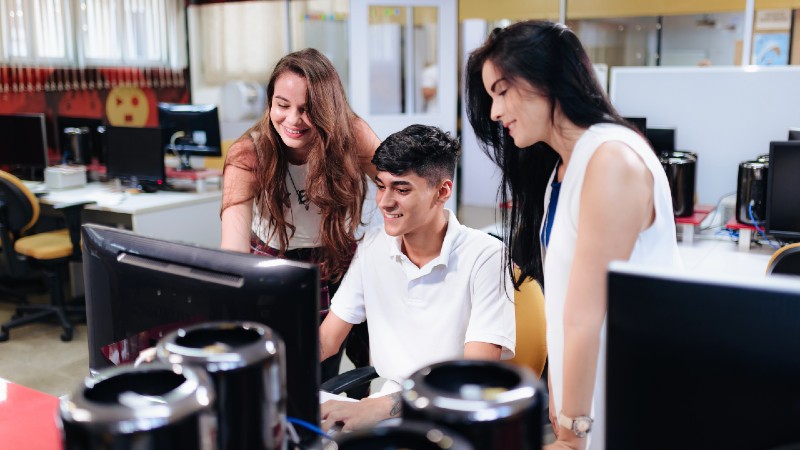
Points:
(550, 58)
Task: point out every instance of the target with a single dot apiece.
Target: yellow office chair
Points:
(531, 351)
(785, 261)
(51, 252)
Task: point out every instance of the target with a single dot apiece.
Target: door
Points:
(403, 67)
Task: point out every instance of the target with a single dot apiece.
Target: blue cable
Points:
(758, 228)
(309, 426)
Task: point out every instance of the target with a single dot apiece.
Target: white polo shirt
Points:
(419, 316)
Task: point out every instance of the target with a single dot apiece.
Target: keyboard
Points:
(36, 187)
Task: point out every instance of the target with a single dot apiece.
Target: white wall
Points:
(725, 114)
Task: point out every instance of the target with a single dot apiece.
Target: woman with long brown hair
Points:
(294, 184)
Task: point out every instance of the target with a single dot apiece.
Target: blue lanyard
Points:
(551, 213)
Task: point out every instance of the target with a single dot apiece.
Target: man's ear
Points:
(445, 190)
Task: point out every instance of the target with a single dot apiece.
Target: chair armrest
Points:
(348, 380)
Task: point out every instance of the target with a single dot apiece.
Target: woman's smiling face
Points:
(523, 110)
(289, 112)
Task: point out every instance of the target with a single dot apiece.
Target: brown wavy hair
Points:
(335, 181)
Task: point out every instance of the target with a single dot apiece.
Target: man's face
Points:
(409, 202)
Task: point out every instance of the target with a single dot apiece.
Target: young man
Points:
(430, 288)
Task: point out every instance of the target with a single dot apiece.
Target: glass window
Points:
(403, 64)
(322, 24)
(35, 30)
(104, 32)
(238, 41)
(129, 32)
(702, 39)
(629, 41)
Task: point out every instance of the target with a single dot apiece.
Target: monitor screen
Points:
(92, 144)
(190, 130)
(794, 134)
(695, 363)
(135, 153)
(783, 185)
(138, 289)
(661, 139)
(23, 144)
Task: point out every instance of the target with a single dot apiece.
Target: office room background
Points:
(115, 60)
(720, 77)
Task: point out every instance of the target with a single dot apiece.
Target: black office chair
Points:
(785, 261)
(50, 252)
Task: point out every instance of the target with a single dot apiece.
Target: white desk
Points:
(176, 216)
(720, 256)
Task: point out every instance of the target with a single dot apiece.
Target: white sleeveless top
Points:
(656, 246)
(306, 221)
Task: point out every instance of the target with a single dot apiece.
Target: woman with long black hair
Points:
(585, 189)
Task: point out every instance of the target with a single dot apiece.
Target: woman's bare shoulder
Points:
(242, 153)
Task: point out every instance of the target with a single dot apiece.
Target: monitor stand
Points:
(185, 164)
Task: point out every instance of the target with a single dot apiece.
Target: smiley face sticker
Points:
(127, 106)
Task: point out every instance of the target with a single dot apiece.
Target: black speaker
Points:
(155, 406)
(246, 363)
(494, 405)
(681, 169)
(751, 187)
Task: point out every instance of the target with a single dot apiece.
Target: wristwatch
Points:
(580, 425)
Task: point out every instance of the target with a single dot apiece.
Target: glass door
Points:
(403, 65)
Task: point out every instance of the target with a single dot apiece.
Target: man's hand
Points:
(354, 415)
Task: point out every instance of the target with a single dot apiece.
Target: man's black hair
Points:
(425, 150)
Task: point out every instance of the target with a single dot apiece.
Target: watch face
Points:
(583, 424)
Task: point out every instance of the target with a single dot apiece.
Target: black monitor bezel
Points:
(640, 123)
(713, 321)
(169, 112)
(792, 235)
(657, 136)
(273, 279)
(35, 162)
(153, 136)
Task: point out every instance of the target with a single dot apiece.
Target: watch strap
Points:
(571, 424)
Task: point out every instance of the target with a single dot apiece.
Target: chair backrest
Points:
(785, 261)
(531, 348)
(20, 205)
(19, 211)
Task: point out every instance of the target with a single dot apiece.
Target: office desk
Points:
(27, 418)
(177, 216)
(715, 255)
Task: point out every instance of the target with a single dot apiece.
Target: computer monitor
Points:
(700, 363)
(138, 289)
(794, 134)
(661, 139)
(23, 145)
(639, 122)
(783, 185)
(190, 130)
(94, 145)
(135, 155)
